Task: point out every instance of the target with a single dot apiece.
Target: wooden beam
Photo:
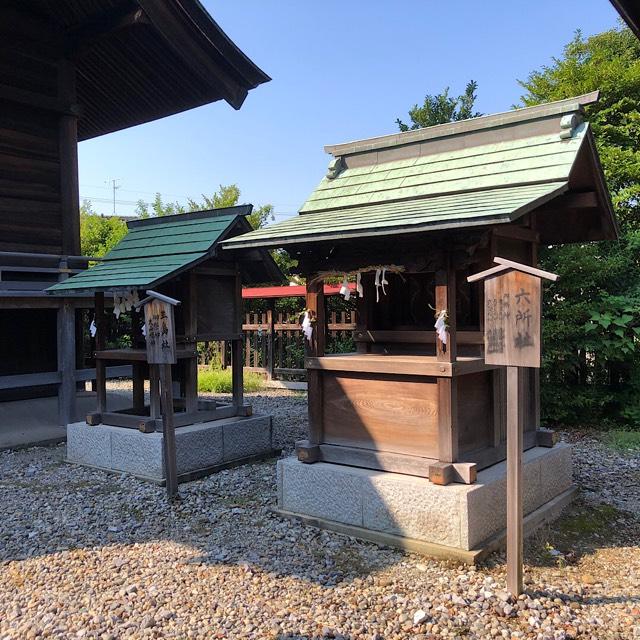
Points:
(190, 315)
(414, 337)
(102, 25)
(577, 200)
(66, 364)
(168, 432)
(315, 307)
(446, 300)
(25, 380)
(100, 341)
(68, 147)
(447, 420)
(517, 233)
(138, 387)
(237, 373)
(30, 99)
(315, 347)
(514, 484)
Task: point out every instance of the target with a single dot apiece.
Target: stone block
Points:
(88, 445)
(244, 437)
(198, 447)
(463, 517)
(137, 453)
(556, 472)
(412, 507)
(322, 490)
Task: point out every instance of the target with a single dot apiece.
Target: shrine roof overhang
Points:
(630, 12)
(159, 249)
(135, 60)
(484, 171)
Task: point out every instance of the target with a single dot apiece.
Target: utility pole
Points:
(113, 182)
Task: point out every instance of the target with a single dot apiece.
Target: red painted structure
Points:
(293, 291)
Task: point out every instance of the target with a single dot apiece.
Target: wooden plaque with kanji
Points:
(160, 332)
(512, 319)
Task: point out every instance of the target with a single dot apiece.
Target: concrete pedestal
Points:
(464, 522)
(201, 448)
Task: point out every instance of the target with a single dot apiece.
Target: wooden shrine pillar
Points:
(315, 306)
(271, 336)
(237, 373)
(101, 340)
(447, 387)
(190, 315)
(68, 150)
(364, 312)
(308, 451)
(66, 323)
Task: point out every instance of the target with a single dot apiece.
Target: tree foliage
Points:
(442, 108)
(225, 196)
(591, 329)
(99, 234)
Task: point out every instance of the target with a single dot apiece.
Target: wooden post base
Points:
(443, 473)
(307, 452)
(546, 437)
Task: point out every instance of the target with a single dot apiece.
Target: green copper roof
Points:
(157, 249)
(475, 173)
(440, 212)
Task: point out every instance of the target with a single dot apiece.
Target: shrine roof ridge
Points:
(515, 116)
(236, 210)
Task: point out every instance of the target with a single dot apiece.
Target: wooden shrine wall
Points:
(38, 152)
(397, 414)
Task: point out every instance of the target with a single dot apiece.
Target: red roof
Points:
(290, 292)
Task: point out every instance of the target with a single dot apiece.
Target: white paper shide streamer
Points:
(307, 327)
(123, 302)
(359, 287)
(92, 328)
(441, 326)
(345, 291)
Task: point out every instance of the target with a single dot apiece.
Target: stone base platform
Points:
(462, 522)
(201, 449)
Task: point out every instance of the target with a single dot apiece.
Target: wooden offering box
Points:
(403, 404)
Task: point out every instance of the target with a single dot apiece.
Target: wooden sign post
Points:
(512, 323)
(161, 353)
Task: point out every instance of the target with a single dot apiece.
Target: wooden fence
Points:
(274, 344)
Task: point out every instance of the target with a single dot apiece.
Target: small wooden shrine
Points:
(408, 217)
(179, 257)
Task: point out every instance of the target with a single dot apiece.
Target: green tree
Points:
(441, 108)
(591, 330)
(99, 234)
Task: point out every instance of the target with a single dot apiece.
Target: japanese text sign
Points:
(512, 310)
(160, 332)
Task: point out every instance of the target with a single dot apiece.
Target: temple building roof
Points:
(483, 171)
(158, 249)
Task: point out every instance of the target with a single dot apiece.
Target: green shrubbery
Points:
(219, 381)
(591, 331)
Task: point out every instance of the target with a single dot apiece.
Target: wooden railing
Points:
(274, 344)
(32, 273)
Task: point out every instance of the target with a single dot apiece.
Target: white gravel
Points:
(85, 554)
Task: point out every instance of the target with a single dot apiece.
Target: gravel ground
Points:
(86, 554)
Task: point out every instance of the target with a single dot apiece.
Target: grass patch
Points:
(623, 440)
(597, 520)
(219, 381)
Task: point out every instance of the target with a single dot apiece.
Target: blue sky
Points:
(342, 70)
